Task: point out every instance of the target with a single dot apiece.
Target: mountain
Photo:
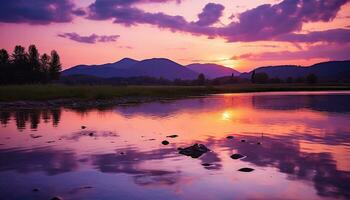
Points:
(161, 67)
(325, 71)
(155, 67)
(212, 71)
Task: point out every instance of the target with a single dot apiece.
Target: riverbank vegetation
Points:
(51, 92)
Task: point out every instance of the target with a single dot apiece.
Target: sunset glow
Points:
(88, 32)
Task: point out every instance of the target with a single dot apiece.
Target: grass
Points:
(50, 92)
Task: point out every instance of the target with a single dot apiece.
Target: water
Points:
(304, 150)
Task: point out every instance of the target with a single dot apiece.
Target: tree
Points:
(21, 66)
(311, 79)
(44, 67)
(4, 66)
(290, 79)
(4, 57)
(252, 78)
(55, 66)
(261, 78)
(300, 80)
(34, 62)
(201, 79)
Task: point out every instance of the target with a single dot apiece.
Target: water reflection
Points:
(31, 116)
(46, 160)
(295, 142)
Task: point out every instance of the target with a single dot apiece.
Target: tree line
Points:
(30, 67)
(263, 77)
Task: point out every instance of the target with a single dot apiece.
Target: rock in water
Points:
(83, 127)
(165, 142)
(246, 169)
(242, 140)
(236, 156)
(229, 137)
(172, 136)
(195, 151)
(207, 164)
(56, 198)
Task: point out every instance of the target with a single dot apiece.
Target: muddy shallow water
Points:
(297, 143)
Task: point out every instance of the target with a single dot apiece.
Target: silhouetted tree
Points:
(55, 66)
(34, 62)
(4, 57)
(300, 80)
(4, 66)
(201, 79)
(20, 64)
(22, 67)
(44, 65)
(290, 80)
(252, 78)
(275, 80)
(261, 78)
(311, 79)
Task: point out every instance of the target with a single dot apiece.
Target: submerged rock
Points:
(230, 137)
(36, 190)
(83, 127)
(91, 134)
(172, 136)
(207, 164)
(242, 140)
(195, 151)
(258, 143)
(246, 169)
(56, 198)
(237, 156)
(164, 142)
(35, 136)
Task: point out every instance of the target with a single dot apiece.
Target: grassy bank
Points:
(49, 92)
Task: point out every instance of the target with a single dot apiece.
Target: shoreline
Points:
(54, 96)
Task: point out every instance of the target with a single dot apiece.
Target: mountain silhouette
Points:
(155, 67)
(212, 71)
(325, 71)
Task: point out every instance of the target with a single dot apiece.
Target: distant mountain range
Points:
(168, 69)
(325, 71)
(155, 67)
(212, 71)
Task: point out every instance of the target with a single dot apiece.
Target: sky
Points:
(242, 34)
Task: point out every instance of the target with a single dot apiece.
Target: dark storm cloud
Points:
(91, 39)
(37, 11)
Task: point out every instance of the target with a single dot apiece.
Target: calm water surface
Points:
(304, 150)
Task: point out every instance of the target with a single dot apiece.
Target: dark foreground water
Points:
(297, 143)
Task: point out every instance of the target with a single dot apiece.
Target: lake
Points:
(297, 143)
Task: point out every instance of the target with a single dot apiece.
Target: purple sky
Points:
(238, 34)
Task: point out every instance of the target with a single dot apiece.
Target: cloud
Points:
(331, 52)
(91, 39)
(211, 14)
(124, 13)
(265, 22)
(332, 35)
(38, 11)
